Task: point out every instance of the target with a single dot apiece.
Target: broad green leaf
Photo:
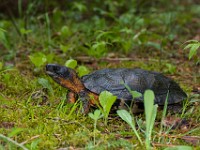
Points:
(150, 115)
(125, 115)
(91, 115)
(153, 118)
(71, 63)
(181, 147)
(148, 104)
(106, 99)
(38, 59)
(82, 70)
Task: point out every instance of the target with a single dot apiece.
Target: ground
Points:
(33, 108)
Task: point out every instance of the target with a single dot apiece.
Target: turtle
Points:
(115, 81)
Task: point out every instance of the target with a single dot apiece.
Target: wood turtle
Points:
(90, 86)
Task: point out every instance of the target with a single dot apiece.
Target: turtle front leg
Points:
(71, 97)
(84, 97)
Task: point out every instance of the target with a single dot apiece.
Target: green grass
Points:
(89, 36)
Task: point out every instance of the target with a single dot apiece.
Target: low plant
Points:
(193, 46)
(150, 115)
(125, 115)
(95, 116)
(106, 100)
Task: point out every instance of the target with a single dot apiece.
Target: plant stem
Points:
(95, 126)
(12, 141)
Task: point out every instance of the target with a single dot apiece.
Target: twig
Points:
(32, 138)
(89, 59)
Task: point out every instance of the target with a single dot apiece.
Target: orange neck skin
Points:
(76, 86)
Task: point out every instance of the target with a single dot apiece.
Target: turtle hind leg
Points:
(174, 108)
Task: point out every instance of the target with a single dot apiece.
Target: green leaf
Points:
(15, 131)
(125, 115)
(155, 45)
(135, 94)
(193, 50)
(97, 114)
(64, 48)
(153, 118)
(91, 115)
(45, 83)
(148, 104)
(65, 32)
(38, 59)
(107, 99)
(150, 115)
(82, 70)
(71, 63)
(181, 147)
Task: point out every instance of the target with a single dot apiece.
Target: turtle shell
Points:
(114, 81)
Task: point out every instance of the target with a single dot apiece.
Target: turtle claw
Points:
(86, 106)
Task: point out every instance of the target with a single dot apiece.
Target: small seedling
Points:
(106, 99)
(125, 115)
(193, 46)
(95, 117)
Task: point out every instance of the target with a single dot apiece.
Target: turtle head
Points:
(65, 76)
